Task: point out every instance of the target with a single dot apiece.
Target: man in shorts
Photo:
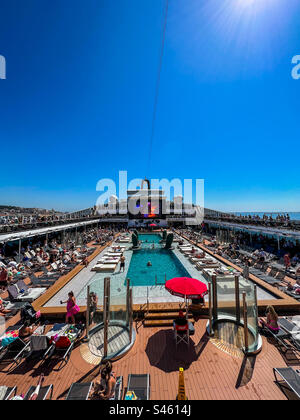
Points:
(122, 265)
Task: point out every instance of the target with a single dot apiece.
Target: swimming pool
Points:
(164, 263)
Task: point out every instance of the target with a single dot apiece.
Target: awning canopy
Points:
(16, 236)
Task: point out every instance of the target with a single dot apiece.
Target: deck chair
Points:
(63, 346)
(280, 276)
(41, 281)
(292, 294)
(45, 393)
(118, 389)
(181, 332)
(294, 332)
(8, 349)
(140, 385)
(290, 377)
(281, 337)
(79, 391)
(35, 348)
(7, 392)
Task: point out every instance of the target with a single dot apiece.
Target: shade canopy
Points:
(186, 287)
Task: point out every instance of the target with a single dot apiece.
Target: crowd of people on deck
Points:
(280, 220)
(57, 256)
(261, 248)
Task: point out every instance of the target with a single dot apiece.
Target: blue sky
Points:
(78, 99)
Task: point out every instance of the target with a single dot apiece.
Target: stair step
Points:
(161, 322)
(163, 315)
(161, 310)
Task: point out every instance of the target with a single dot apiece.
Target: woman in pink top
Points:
(72, 308)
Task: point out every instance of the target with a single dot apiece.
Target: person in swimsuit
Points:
(72, 308)
(3, 311)
(3, 278)
(27, 330)
(272, 320)
(93, 305)
(105, 388)
(85, 262)
(122, 265)
(35, 394)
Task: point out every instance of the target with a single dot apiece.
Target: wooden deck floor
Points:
(209, 372)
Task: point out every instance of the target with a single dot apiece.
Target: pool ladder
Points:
(160, 284)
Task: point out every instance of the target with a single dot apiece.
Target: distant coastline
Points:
(293, 214)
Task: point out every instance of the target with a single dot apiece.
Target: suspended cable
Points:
(158, 83)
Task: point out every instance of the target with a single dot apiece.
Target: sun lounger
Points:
(290, 377)
(118, 389)
(11, 343)
(282, 337)
(293, 330)
(6, 392)
(108, 261)
(44, 394)
(28, 295)
(140, 385)
(35, 348)
(106, 268)
(203, 264)
(79, 391)
(63, 343)
(41, 281)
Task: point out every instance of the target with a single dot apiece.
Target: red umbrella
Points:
(152, 224)
(186, 287)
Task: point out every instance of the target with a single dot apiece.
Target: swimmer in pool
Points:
(149, 264)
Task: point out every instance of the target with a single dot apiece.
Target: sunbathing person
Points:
(272, 320)
(3, 278)
(27, 330)
(35, 393)
(85, 262)
(3, 311)
(105, 388)
(196, 307)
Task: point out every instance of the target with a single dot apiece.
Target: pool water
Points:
(165, 264)
(149, 238)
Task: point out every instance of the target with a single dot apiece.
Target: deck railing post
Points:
(210, 309)
(245, 322)
(127, 300)
(106, 315)
(87, 318)
(237, 299)
(215, 298)
(130, 315)
(256, 308)
(20, 246)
